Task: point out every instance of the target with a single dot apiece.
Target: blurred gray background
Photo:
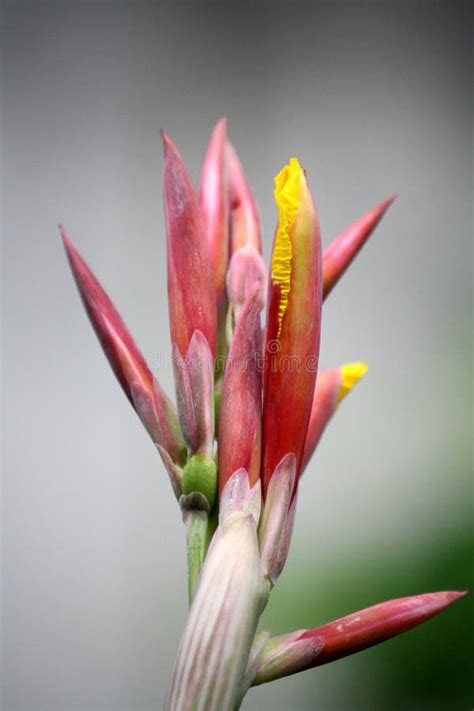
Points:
(374, 98)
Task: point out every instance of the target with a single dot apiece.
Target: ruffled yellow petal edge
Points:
(287, 188)
(351, 373)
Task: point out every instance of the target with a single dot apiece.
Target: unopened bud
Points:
(200, 476)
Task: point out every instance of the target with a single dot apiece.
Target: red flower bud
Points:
(343, 250)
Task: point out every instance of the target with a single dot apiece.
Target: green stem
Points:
(196, 540)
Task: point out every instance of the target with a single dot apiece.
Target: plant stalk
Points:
(197, 543)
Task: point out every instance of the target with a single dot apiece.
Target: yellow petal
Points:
(287, 186)
(351, 373)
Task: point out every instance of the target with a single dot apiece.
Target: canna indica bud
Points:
(332, 386)
(303, 650)
(244, 219)
(213, 199)
(146, 396)
(191, 291)
(192, 305)
(293, 322)
(239, 442)
(344, 248)
(246, 268)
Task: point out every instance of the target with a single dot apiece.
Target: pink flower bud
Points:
(239, 444)
(151, 404)
(343, 250)
(244, 220)
(295, 652)
(191, 292)
(213, 199)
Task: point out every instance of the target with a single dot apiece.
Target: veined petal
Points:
(293, 322)
(332, 386)
(344, 248)
(239, 444)
(191, 292)
(213, 199)
(288, 654)
(238, 497)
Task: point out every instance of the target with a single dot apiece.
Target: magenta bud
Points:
(244, 220)
(213, 199)
(156, 411)
(191, 292)
(344, 248)
(350, 634)
(240, 408)
(123, 355)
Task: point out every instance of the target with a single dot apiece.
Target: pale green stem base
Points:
(197, 543)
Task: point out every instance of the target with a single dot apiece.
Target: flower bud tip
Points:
(167, 143)
(351, 373)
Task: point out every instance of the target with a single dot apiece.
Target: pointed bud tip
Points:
(377, 212)
(222, 124)
(167, 142)
(454, 595)
(351, 373)
(71, 252)
(63, 234)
